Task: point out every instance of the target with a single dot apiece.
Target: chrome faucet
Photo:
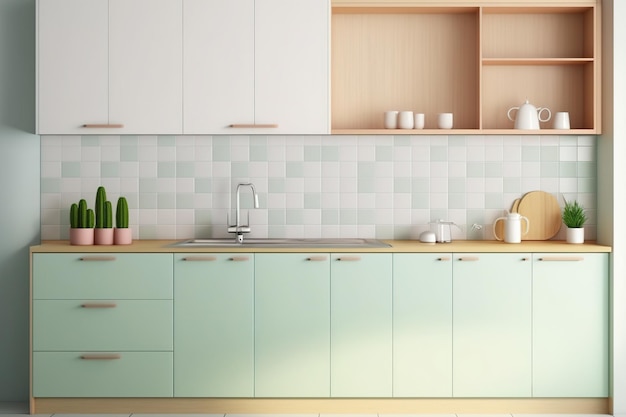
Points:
(239, 228)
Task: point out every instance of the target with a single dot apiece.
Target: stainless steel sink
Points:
(281, 243)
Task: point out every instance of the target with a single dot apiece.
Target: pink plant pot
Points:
(81, 236)
(123, 236)
(103, 236)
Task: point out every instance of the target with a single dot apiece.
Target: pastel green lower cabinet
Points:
(361, 325)
(214, 325)
(571, 325)
(107, 374)
(492, 325)
(422, 325)
(292, 325)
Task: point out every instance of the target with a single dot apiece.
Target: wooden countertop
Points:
(397, 246)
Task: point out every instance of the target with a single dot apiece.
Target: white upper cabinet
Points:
(256, 67)
(109, 66)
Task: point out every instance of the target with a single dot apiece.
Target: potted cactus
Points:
(81, 224)
(103, 233)
(123, 234)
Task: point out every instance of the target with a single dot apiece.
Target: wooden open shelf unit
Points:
(475, 60)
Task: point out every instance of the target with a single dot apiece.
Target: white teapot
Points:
(528, 116)
(512, 227)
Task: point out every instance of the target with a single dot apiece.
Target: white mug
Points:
(391, 119)
(445, 121)
(561, 120)
(405, 120)
(419, 121)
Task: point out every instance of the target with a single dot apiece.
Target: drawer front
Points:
(119, 374)
(102, 276)
(131, 325)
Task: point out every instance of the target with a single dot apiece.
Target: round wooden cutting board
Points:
(544, 214)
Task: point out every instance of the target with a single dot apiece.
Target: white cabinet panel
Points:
(145, 72)
(72, 44)
(218, 65)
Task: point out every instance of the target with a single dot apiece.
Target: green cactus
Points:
(108, 215)
(74, 216)
(82, 213)
(101, 198)
(90, 218)
(121, 215)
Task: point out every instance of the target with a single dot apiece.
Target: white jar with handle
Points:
(512, 228)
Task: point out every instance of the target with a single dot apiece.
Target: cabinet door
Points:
(422, 325)
(72, 72)
(361, 325)
(492, 325)
(292, 325)
(218, 65)
(292, 65)
(145, 56)
(571, 325)
(214, 325)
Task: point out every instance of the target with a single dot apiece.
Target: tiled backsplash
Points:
(314, 186)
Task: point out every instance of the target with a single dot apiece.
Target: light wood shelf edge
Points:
(463, 132)
(321, 405)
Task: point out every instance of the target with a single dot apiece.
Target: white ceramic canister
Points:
(512, 228)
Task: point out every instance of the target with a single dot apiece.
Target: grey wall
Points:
(19, 190)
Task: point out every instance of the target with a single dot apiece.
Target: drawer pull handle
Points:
(98, 305)
(239, 258)
(103, 125)
(97, 258)
(349, 258)
(200, 258)
(469, 258)
(525, 259)
(101, 356)
(562, 259)
(254, 126)
(443, 258)
(316, 258)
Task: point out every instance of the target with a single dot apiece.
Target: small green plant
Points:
(573, 214)
(121, 214)
(104, 213)
(81, 217)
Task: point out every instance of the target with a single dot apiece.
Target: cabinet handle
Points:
(254, 126)
(319, 258)
(200, 258)
(103, 125)
(349, 258)
(562, 259)
(469, 258)
(98, 305)
(239, 258)
(443, 258)
(97, 258)
(101, 356)
(525, 259)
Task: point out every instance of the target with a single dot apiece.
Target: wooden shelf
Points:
(474, 60)
(394, 132)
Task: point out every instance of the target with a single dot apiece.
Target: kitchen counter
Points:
(397, 246)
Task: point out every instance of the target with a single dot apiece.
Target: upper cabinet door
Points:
(145, 65)
(72, 44)
(110, 67)
(292, 65)
(218, 65)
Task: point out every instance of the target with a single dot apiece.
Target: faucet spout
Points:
(238, 228)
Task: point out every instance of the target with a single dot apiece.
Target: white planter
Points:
(575, 235)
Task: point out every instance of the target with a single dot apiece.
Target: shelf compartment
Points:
(565, 32)
(417, 59)
(557, 87)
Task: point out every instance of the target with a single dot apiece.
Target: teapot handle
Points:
(527, 225)
(494, 227)
(508, 114)
(539, 114)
